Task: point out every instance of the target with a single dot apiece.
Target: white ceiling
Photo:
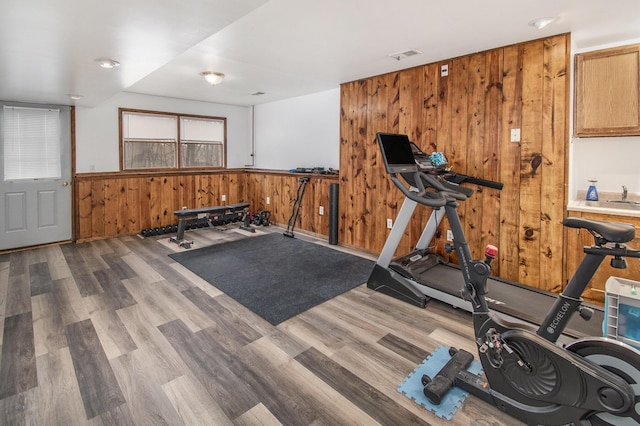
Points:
(284, 48)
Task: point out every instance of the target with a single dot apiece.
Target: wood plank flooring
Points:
(114, 332)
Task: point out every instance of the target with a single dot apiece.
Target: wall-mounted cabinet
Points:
(607, 90)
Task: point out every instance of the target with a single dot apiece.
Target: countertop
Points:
(601, 207)
(605, 207)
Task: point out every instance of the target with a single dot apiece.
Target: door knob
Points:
(65, 183)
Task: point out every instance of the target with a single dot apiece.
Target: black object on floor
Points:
(296, 207)
(276, 277)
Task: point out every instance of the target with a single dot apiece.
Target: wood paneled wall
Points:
(109, 205)
(282, 190)
(469, 115)
(113, 204)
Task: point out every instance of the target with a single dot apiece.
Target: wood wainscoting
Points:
(469, 114)
(114, 204)
(282, 188)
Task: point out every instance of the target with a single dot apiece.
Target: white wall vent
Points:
(407, 53)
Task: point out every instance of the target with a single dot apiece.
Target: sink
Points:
(613, 207)
(623, 204)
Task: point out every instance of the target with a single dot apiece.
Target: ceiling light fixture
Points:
(540, 23)
(75, 97)
(107, 63)
(212, 78)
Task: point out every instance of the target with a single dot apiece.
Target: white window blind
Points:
(202, 130)
(149, 141)
(201, 142)
(149, 127)
(31, 143)
(163, 140)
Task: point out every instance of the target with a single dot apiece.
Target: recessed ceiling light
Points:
(212, 78)
(107, 63)
(540, 23)
(74, 96)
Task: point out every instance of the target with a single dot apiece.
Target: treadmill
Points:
(421, 275)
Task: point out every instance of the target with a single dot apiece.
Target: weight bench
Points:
(215, 215)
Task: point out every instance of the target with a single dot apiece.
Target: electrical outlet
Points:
(223, 197)
(268, 200)
(389, 223)
(449, 235)
(321, 210)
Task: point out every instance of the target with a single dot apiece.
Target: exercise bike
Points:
(593, 380)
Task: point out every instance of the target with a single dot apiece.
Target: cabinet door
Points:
(607, 91)
(577, 239)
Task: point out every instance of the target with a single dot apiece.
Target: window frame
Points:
(178, 142)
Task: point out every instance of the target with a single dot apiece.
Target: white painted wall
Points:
(97, 139)
(299, 132)
(612, 161)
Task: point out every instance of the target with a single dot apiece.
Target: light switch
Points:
(515, 135)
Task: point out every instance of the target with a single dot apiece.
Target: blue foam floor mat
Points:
(412, 385)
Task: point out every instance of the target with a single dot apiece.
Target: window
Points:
(157, 140)
(31, 143)
(201, 142)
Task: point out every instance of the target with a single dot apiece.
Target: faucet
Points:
(624, 193)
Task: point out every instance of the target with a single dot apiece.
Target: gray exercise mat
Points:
(275, 276)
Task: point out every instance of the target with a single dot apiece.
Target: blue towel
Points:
(412, 385)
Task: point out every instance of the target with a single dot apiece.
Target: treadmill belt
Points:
(514, 299)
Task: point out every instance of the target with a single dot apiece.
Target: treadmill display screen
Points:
(397, 153)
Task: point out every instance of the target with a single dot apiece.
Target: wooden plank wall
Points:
(468, 115)
(282, 190)
(109, 205)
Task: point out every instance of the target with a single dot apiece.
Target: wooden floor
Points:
(115, 332)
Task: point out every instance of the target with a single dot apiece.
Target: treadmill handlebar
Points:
(447, 190)
(431, 199)
(459, 178)
(421, 181)
(457, 188)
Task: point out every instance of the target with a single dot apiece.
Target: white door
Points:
(35, 173)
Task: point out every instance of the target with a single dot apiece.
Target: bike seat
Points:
(615, 232)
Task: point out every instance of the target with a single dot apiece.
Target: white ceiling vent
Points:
(405, 54)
